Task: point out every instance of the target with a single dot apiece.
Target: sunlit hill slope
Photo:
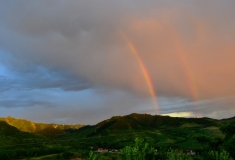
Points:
(29, 126)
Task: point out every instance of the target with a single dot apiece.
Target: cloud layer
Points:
(73, 46)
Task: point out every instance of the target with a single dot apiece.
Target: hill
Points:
(29, 126)
(10, 135)
(15, 144)
(161, 131)
(145, 121)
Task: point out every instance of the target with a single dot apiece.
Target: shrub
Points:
(177, 155)
(216, 155)
(93, 156)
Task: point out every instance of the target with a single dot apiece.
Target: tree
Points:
(139, 151)
(228, 129)
(229, 141)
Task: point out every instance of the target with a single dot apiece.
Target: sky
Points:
(80, 62)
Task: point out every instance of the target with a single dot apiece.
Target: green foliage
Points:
(19, 153)
(218, 155)
(229, 145)
(228, 129)
(7, 129)
(146, 121)
(11, 136)
(67, 154)
(162, 132)
(139, 151)
(159, 131)
(94, 156)
(51, 132)
(212, 142)
(229, 142)
(177, 155)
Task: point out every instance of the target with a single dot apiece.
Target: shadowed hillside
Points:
(10, 135)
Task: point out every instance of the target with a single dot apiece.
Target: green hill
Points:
(145, 121)
(51, 132)
(15, 144)
(10, 136)
(232, 119)
(134, 122)
(29, 126)
(161, 131)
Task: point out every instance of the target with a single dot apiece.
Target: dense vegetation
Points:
(207, 138)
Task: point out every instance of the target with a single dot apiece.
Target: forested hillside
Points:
(161, 132)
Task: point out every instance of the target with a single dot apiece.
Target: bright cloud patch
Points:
(180, 114)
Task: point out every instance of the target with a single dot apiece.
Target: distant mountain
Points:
(29, 126)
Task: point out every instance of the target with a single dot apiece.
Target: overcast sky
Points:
(68, 61)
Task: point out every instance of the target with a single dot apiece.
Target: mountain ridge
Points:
(137, 121)
(132, 121)
(33, 127)
(158, 130)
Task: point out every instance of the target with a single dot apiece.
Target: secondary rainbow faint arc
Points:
(143, 69)
(189, 76)
(188, 73)
(187, 69)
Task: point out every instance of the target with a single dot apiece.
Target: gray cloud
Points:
(40, 77)
(15, 103)
(75, 107)
(27, 75)
(187, 48)
(83, 38)
(26, 98)
(7, 84)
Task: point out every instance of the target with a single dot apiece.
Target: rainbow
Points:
(187, 69)
(144, 71)
(188, 73)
